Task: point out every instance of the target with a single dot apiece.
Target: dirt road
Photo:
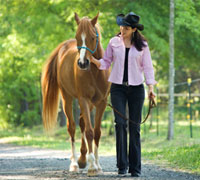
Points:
(17, 162)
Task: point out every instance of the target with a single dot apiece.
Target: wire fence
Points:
(186, 105)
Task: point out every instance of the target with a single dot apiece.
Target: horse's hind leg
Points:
(97, 130)
(82, 159)
(71, 127)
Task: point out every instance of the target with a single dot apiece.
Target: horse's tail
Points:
(50, 91)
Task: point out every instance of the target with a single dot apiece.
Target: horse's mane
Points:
(86, 26)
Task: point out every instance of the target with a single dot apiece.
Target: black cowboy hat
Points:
(131, 19)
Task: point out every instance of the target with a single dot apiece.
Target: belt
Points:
(125, 83)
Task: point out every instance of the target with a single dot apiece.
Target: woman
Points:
(131, 58)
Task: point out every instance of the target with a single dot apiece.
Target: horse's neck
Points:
(99, 53)
(94, 70)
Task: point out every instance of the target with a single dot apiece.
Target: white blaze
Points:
(82, 51)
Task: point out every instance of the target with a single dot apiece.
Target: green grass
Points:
(182, 152)
(59, 140)
(186, 158)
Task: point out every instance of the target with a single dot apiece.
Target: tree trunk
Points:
(62, 116)
(171, 73)
(76, 111)
(92, 116)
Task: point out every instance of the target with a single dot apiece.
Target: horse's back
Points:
(67, 45)
(67, 57)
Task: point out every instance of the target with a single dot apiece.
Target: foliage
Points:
(31, 29)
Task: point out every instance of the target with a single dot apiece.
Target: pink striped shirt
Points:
(139, 63)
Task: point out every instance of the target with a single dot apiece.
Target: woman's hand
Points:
(151, 94)
(95, 61)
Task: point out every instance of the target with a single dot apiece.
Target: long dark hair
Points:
(138, 40)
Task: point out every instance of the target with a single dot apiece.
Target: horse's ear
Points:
(77, 18)
(94, 20)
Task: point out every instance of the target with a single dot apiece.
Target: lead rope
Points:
(152, 104)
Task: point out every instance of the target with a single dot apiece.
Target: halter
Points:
(97, 40)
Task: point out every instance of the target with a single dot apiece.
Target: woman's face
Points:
(127, 31)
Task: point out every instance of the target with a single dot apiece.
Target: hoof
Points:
(99, 168)
(82, 163)
(100, 171)
(74, 168)
(92, 172)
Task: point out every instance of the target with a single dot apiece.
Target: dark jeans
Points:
(134, 96)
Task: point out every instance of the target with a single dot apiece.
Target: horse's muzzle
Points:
(85, 65)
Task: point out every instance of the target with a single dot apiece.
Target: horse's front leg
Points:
(85, 109)
(100, 108)
(82, 162)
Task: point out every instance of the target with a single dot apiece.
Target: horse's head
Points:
(87, 38)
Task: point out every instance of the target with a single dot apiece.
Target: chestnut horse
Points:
(69, 72)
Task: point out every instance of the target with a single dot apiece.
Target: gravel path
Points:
(18, 162)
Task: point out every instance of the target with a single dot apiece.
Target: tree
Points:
(171, 73)
(31, 29)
